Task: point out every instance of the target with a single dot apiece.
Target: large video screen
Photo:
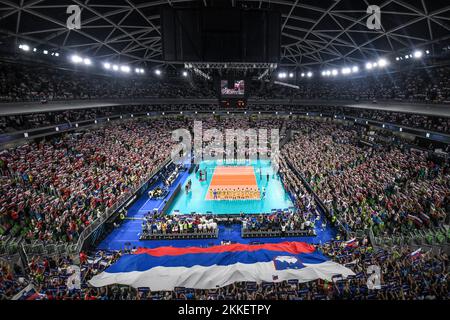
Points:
(237, 89)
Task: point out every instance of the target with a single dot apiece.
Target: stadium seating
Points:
(405, 277)
(391, 199)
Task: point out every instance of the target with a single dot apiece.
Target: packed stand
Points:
(12, 280)
(27, 121)
(19, 122)
(384, 187)
(403, 276)
(427, 85)
(19, 82)
(52, 189)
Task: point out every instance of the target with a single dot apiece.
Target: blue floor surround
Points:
(130, 229)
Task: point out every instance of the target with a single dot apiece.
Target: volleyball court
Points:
(233, 183)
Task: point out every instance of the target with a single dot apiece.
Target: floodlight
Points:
(76, 59)
(382, 63)
(346, 70)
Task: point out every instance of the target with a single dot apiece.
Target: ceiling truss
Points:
(312, 34)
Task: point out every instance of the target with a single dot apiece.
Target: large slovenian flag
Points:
(165, 268)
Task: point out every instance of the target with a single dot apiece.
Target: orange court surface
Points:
(233, 183)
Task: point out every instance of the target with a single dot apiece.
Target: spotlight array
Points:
(381, 63)
(344, 71)
(76, 59)
(291, 75)
(80, 60)
(24, 47)
(125, 69)
(309, 74)
(417, 54)
(122, 68)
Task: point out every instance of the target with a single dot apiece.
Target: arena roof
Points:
(324, 32)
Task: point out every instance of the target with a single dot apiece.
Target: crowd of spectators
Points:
(19, 82)
(431, 123)
(385, 187)
(402, 276)
(52, 189)
(419, 121)
(19, 122)
(25, 82)
(12, 280)
(427, 85)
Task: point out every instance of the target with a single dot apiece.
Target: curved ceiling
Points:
(313, 32)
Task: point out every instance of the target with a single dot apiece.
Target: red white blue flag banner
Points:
(166, 268)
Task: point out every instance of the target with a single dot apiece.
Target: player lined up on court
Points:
(234, 193)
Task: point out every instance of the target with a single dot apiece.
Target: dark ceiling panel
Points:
(315, 32)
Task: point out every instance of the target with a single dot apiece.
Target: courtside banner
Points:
(165, 268)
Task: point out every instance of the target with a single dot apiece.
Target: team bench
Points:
(277, 233)
(180, 236)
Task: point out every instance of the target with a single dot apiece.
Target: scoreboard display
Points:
(232, 88)
(233, 103)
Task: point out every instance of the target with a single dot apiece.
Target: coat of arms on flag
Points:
(287, 262)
